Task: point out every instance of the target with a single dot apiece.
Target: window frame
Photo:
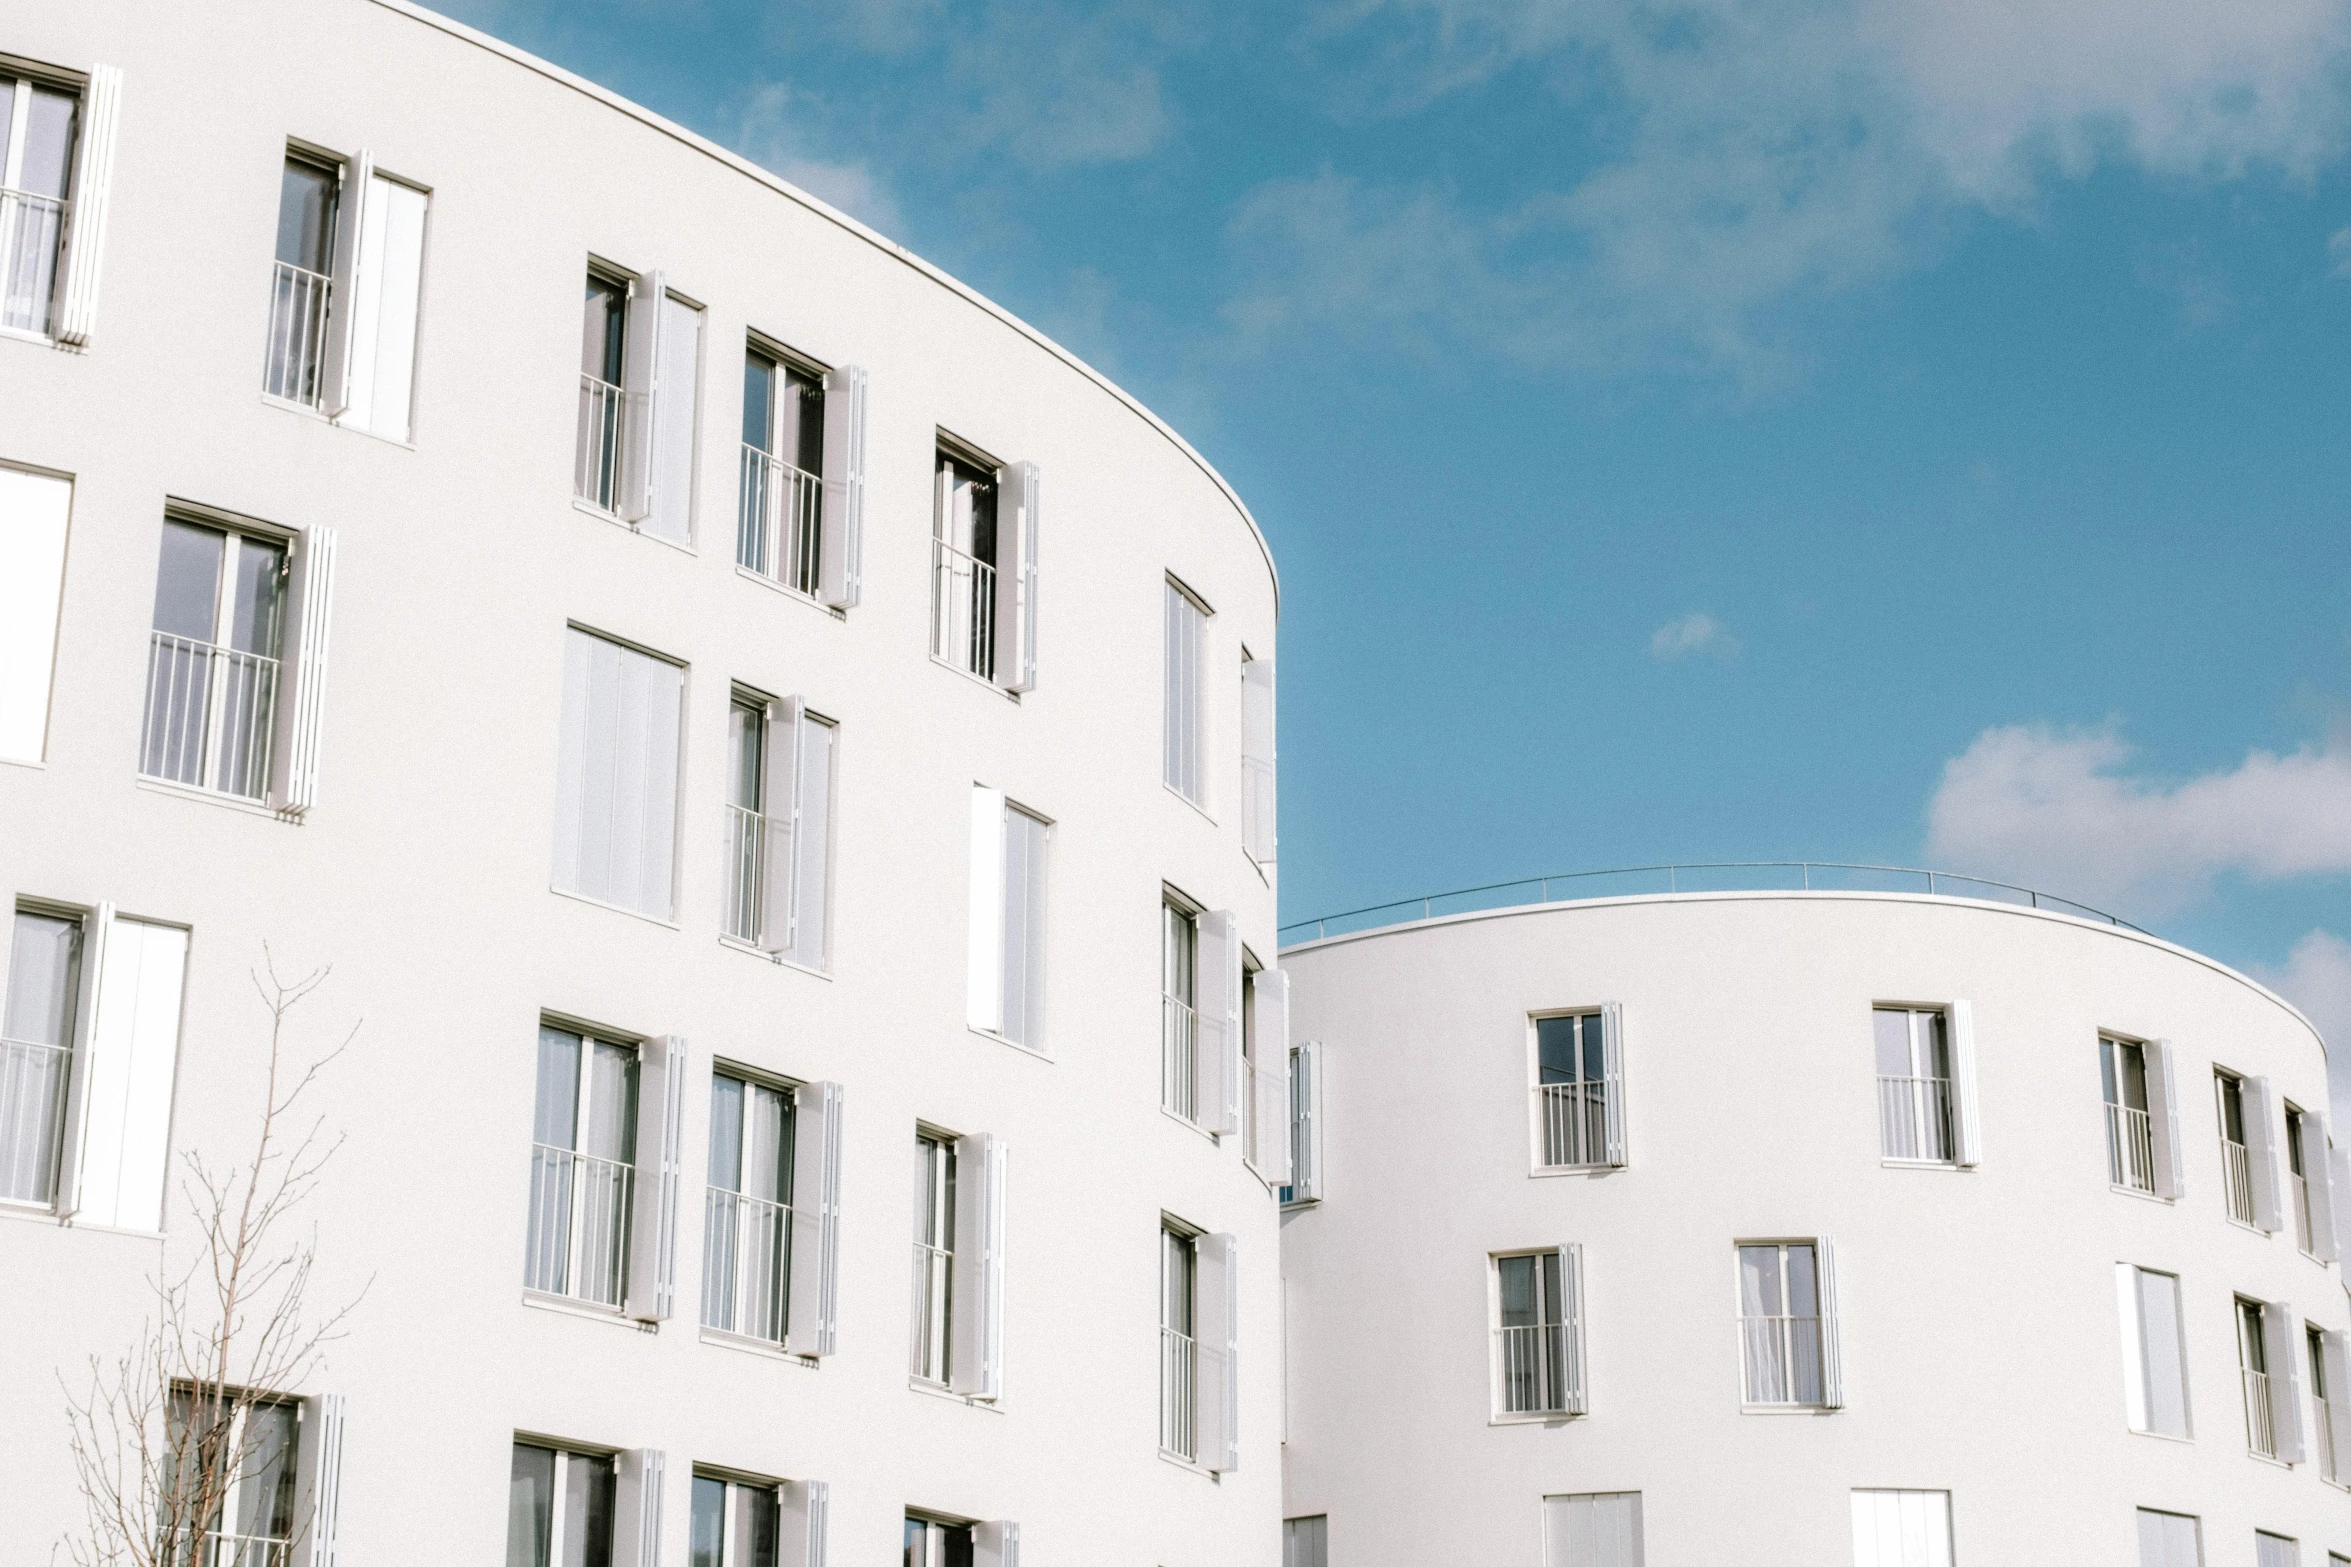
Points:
(639, 1064)
(2228, 1085)
(1824, 1318)
(294, 546)
(736, 1488)
(2128, 1274)
(237, 1458)
(1559, 1360)
(932, 1342)
(566, 1453)
(1179, 1072)
(801, 579)
(1538, 1103)
(1184, 746)
(1914, 1113)
(677, 763)
(1179, 1389)
(75, 1049)
(787, 1199)
(952, 452)
(2111, 1046)
(76, 84)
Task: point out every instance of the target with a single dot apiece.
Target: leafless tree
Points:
(157, 1442)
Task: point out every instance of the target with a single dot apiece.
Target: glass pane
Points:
(530, 1507)
(1759, 1281)
(767, 1145)
(587, 1511)
(916, 1535)
(306, 215)
(1803, 1284)
(256, 597)
(2232, 1109)
(9, 87)
(44, 979)
(1555, 1049)
(726, 1134)
(955, 1546)
(1935, 1045)
(1554, 1310)
(706, 1526)
(757, 1527)
(1519, 1305)
(2134, 1075)
(759, 376)
(803, 424)
(611, 1132)
(187, 582)
(556, 1120)
(2107, 1082)
(48, 143)
(746, 754)
(1595, 1067)
(1176, 1282)
(265, 1492)
(601, 338)
(1893, 1036)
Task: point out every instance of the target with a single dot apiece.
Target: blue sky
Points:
(1689, 430)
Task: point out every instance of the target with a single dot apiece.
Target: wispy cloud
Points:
(776, 129)
(2057, 809)
(1690, 634)
(2316, 977)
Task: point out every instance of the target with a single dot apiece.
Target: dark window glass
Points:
(306, 215)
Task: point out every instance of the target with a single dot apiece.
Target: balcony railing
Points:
(247, 1550)
(1178, 1387)
(2261, 1432)
(596, 467)
(1575, 1123)
(746, 873)
(2130, 1148)
(2237, 1164)
(1533, 1371)
(746, 1252)
(211, 712)
(934, 1298)
(297, 334)
(779, 521)
(1179, 1051)
(30, 229)
(579, 1227)
(963, 610)
(1783, 1360)
(32, 1091)
(2302, 1235)
(1914, 1118)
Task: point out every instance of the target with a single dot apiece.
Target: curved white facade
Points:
(1977, 1324)
(486, 599)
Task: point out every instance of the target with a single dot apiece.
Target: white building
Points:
(790, 797)
(1808, 1228)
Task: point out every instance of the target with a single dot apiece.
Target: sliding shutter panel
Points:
(2163, 1086)
(1217, 1060)
(2281, 1345)
(2262, 1138)
(1571, 1322)
(816, 1219)
(1967, 1134)
(653, 1204)
(93, 183)
(1612, 1107)
(2338, 1161)
(382, 374)
(1216, 1318)
(126, 1115)
(1257, 760)
(310, 617)
(807, 1508)
(996, 1544)
(977, 1349)
(1271, 1154)
(642, 1474)
(1306, 1179)
(984, 984)
(2335, 1367)
(640, 359)
(779, 803)
(1832, 1345)
(97, 926)
(677, 375)
(1016, 576)
(840, 557)
(318, 1478)
(2318, 1175)
(343, 283)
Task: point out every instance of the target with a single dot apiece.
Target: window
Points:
(603, 357)
(1901, 1529)
(37, 1035)
(1179, 1034)
(1579, 1089)
(1185, 695)
(575, 1532)
(2268, 1360)
(640, 375)
(1788, 1323)
(1600, 1530)
(934, 1256)
(958, 1340)
(1917, 1118)
(2130, 1129)
(936, 1542)
(2310, 1179)
(230, 1479)
(1257, 759)
(33, 509)
(1306, 1542)
(733, 1524)
(344, 292)
(1265, 1062)
(617, 774)
(1199, 1381)
(984, 567)
(1539, 1333)
(1006, 988)
(1179, 1347)
(583, 1167)
(2330, 1416)
(2169, 1540)
(299, 288)
(1200, 1015)
(1305, 1124)
(2239, 1123)
(2275, 1550)
(56, 162)
(779, 827)
(2155, 1372)
(747, 1221)
(779, 517)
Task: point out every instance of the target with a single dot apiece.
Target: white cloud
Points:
(772, 129)
(2339, 252)
(2055, 810)
(1692, 633)
(2316, 977)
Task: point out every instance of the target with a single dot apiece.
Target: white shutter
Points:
(381, 379)
(126, 1112)
(1272, 1153)
(2281, 1347)
(1612, 1106)
(1591, 1531)
(677, 377)
(334, 378)
(2163, 1087)
(1018, 492)
(2339, 1166)
(2334, 1351)
(2262, 1138)
(93, 181)
(977, 1345)
(641, 1475)
(1217, 990)
(807, 1508)
(2134, 1347)
(617, 775)
(2318, 1176)
(816, 1219)
(996, 1544)
(1216, 1324)
(1966, 1112)
(1257, 760)
(302, 698)
(653, 1204)
(984, 983)
(840, 558)
(1571, 1317)
(34, 511)
(1306, 1177)
(640, 355)
(779, 802)
(1832, 1338)
(318, 1478)
(97, 925)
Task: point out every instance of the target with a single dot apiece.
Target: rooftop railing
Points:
(1712, 876)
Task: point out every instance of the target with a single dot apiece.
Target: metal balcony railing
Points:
(779, 520)
(2237, 1165)
(1914, 1118)
(1783, 1360)
(746, 873)
(1179, 1053)
(578, 1243)
(1178, 1391)
(596, 465)
(297, 334)
(31, 228)
(934, 1299)
(963, 610)
(2261, 1432)
(1574, 1117)
(746, 1257)
(1534, 1370)
(2130, 1148)
(2302, 1235)
(211, 714)
(32, 1094)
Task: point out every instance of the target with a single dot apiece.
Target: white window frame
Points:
(1830, 1335)
(72, 1052)
(1179, 994)
(779, 505)
(673, 779)
(1184, 642)
(716, 1198)
(1260, 813)
(1593, 1122)
(72, 259)
(989, 607)
(931, 1348)
(1306, 1540)
(1305, 1185)
(2195, 1534)
(739, 1495)
(1551, 1350)
(1001, 882)
(565, 1455)
(2133, 1142)
(36, 528)
(2139, 1349)
(303, 1457)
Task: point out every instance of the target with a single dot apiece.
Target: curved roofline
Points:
(889, 247)
(1987, 905)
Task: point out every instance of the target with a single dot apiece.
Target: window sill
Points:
(2262, 1458)
(1296, 1203)
(1191, 1466)
(1543, 1172)
(307, 411)
(589, 1311)
(232, 802)
(18, 761)
(982, 681)
(754, 950)
(2133, 1191)
(45, 1214)
(2164, 1436)
(1788, 1409)
(765, 1349)
(1032, 1052)
(684, 547)
(41, 339)
(792, 593)
(1546, 1417)
(1189, 801)
(1188, 1124)
(1922, 1164)
(948, 1395)
(616, 908)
